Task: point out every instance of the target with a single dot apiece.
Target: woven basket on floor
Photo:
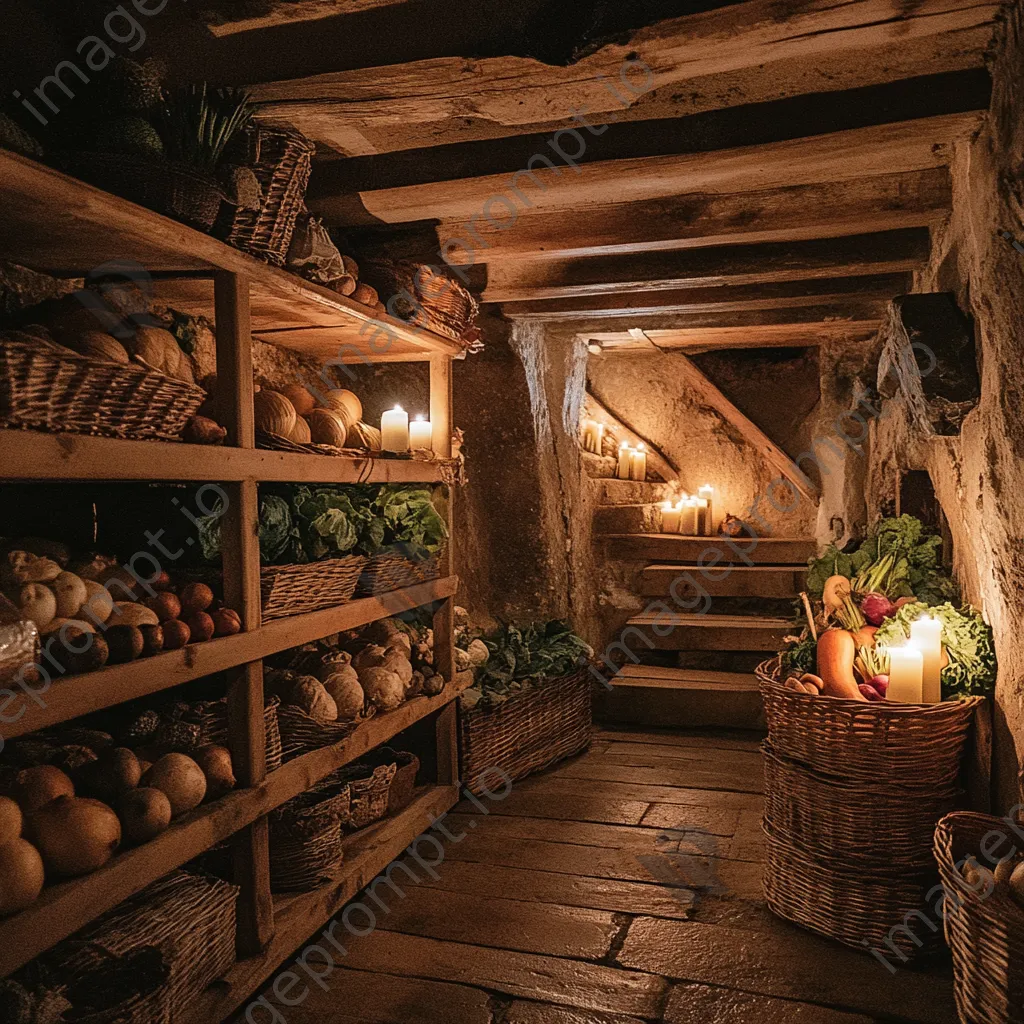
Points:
(854, 822)
(403, 785)
(912, 744)
(301, 733)
(305, 839)
(530, 731)
(986, 933)
(48, 387)
(190, 917)
(296, 589)
(849, 903)
(390, 571)
(212, 718)
(283, 161)
(97, 976)
(369, 787)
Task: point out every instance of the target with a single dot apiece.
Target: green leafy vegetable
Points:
(279, 538)
(967, 639)
(801, 656)
(412, 520)
(329, 523)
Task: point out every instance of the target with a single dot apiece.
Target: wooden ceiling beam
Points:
(886, 252)
(658, 72)
(821, 210)
(228, 18)
(714, 299)
(894, 148)
(696, 340)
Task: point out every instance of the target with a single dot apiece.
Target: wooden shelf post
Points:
(241, 559)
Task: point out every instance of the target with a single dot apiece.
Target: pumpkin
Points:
(346, 403)
(274, 413)
(327, 427)
(300, 432)
(98, 345)
(299, 397)
(156, 348)
(366, 437)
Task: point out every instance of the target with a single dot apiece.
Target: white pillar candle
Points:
(419, 433)
(624, 458)
(707, 492)
(670, 516)
(598, 437)
(703, 520)
(688, 520)
(638, 463)
(906, 668)
(926, 637)
(586, 427)
(394, 430)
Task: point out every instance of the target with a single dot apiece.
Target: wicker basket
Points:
(916, 744)
(97, 974)
(191, 918)
(849, 903)
(369, 786)
(986, 933)
(403, 786)
(175, 190)
(296, 589)
(48, 387)
(530, 731)
(212, 718)
(390, 571)
(283, 161)
(305, 839)
(849, 820)
(301, 733)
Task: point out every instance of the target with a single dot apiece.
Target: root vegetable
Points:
(165, 606)
(181, 779)
(144, 814)
(196, 597)
(75, 835)
(226, 622)
(38, 604)
(126, 644)
(201, 627)
(21, 876)
(384, 688)
(203, 430)
(152, 640)
(176, 634)
(836, 652)
(303, 401)
(71, 594)
(99, 605)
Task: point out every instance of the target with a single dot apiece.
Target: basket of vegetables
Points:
(529, 707)
(983, 880)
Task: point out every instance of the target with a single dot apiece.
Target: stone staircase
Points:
(696, 661)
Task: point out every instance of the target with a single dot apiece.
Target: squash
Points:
(366, 437)
(327, 427)
(299, 397)
(274, 413)
(101, 346)
(156, 348)
(836, 652)
(300, 432)
(346, 403)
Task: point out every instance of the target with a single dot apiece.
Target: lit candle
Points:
(703, 519)
(624, 459)
(598, 437)
(708, 493)
(394, 430)
(670, 518)
(926, 637)
(906, 669)
(688, 521)
(419, 433)
(638, 463)
(586, 431)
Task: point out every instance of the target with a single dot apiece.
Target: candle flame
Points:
(421, 419)
(398, 408)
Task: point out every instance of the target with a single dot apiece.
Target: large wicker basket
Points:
(305, 839)
(296, 589)
(283, 161)
(984, 930)
(48, 387)
(391, 570)
(530, 731)
(212, 718)
(302, 734)
(852, 794)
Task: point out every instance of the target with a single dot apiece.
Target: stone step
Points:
(633, 492)
(627, 518)
(684, 632)
(681, 698)
(767, 581)
(670, 547)
(599, 466)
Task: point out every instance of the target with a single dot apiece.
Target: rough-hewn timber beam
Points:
(226, 17)
(825, 210)
(705, 339)
(457, 99)
(886, 252)
(838, 156)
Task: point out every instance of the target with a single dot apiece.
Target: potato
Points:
(71, 594)
(99, 605)
(38, 604)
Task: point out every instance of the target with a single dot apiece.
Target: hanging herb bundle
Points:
(198, 123)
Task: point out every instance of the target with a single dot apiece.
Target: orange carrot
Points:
(837, 649)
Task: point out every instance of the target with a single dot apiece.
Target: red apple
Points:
(201, 626)
(176, 634)
(195, 597)
(226, 622)
(166, 606)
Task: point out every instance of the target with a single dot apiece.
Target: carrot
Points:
(836, 650)
(865, 637)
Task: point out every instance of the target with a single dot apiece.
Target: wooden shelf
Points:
(79, 695)
(367, 853)
(64, 908)
(58, 224)
(33, 455)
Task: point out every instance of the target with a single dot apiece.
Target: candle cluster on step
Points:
(632, 462)
(592, 436)
(691, 515)
(397, 434)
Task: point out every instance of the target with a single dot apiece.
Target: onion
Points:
(877, 608)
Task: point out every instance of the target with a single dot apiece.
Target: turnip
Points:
(877, 608)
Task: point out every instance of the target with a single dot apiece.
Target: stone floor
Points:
(622, 886)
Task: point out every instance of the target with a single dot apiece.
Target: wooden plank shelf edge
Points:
(367, 854)
(68, 906)
(33, 455)
(80, 695)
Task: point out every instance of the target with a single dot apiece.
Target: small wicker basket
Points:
(305, 839)
(302, 734)
(369, 786)
(985, 932)
(529, 732)
(297, 589)
(403, 786)
(391, 570)
(212, 718)
(48, 387)
(97, 975)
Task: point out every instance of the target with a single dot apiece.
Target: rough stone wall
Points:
(979, 476)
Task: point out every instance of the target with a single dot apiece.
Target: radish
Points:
(877, 608)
